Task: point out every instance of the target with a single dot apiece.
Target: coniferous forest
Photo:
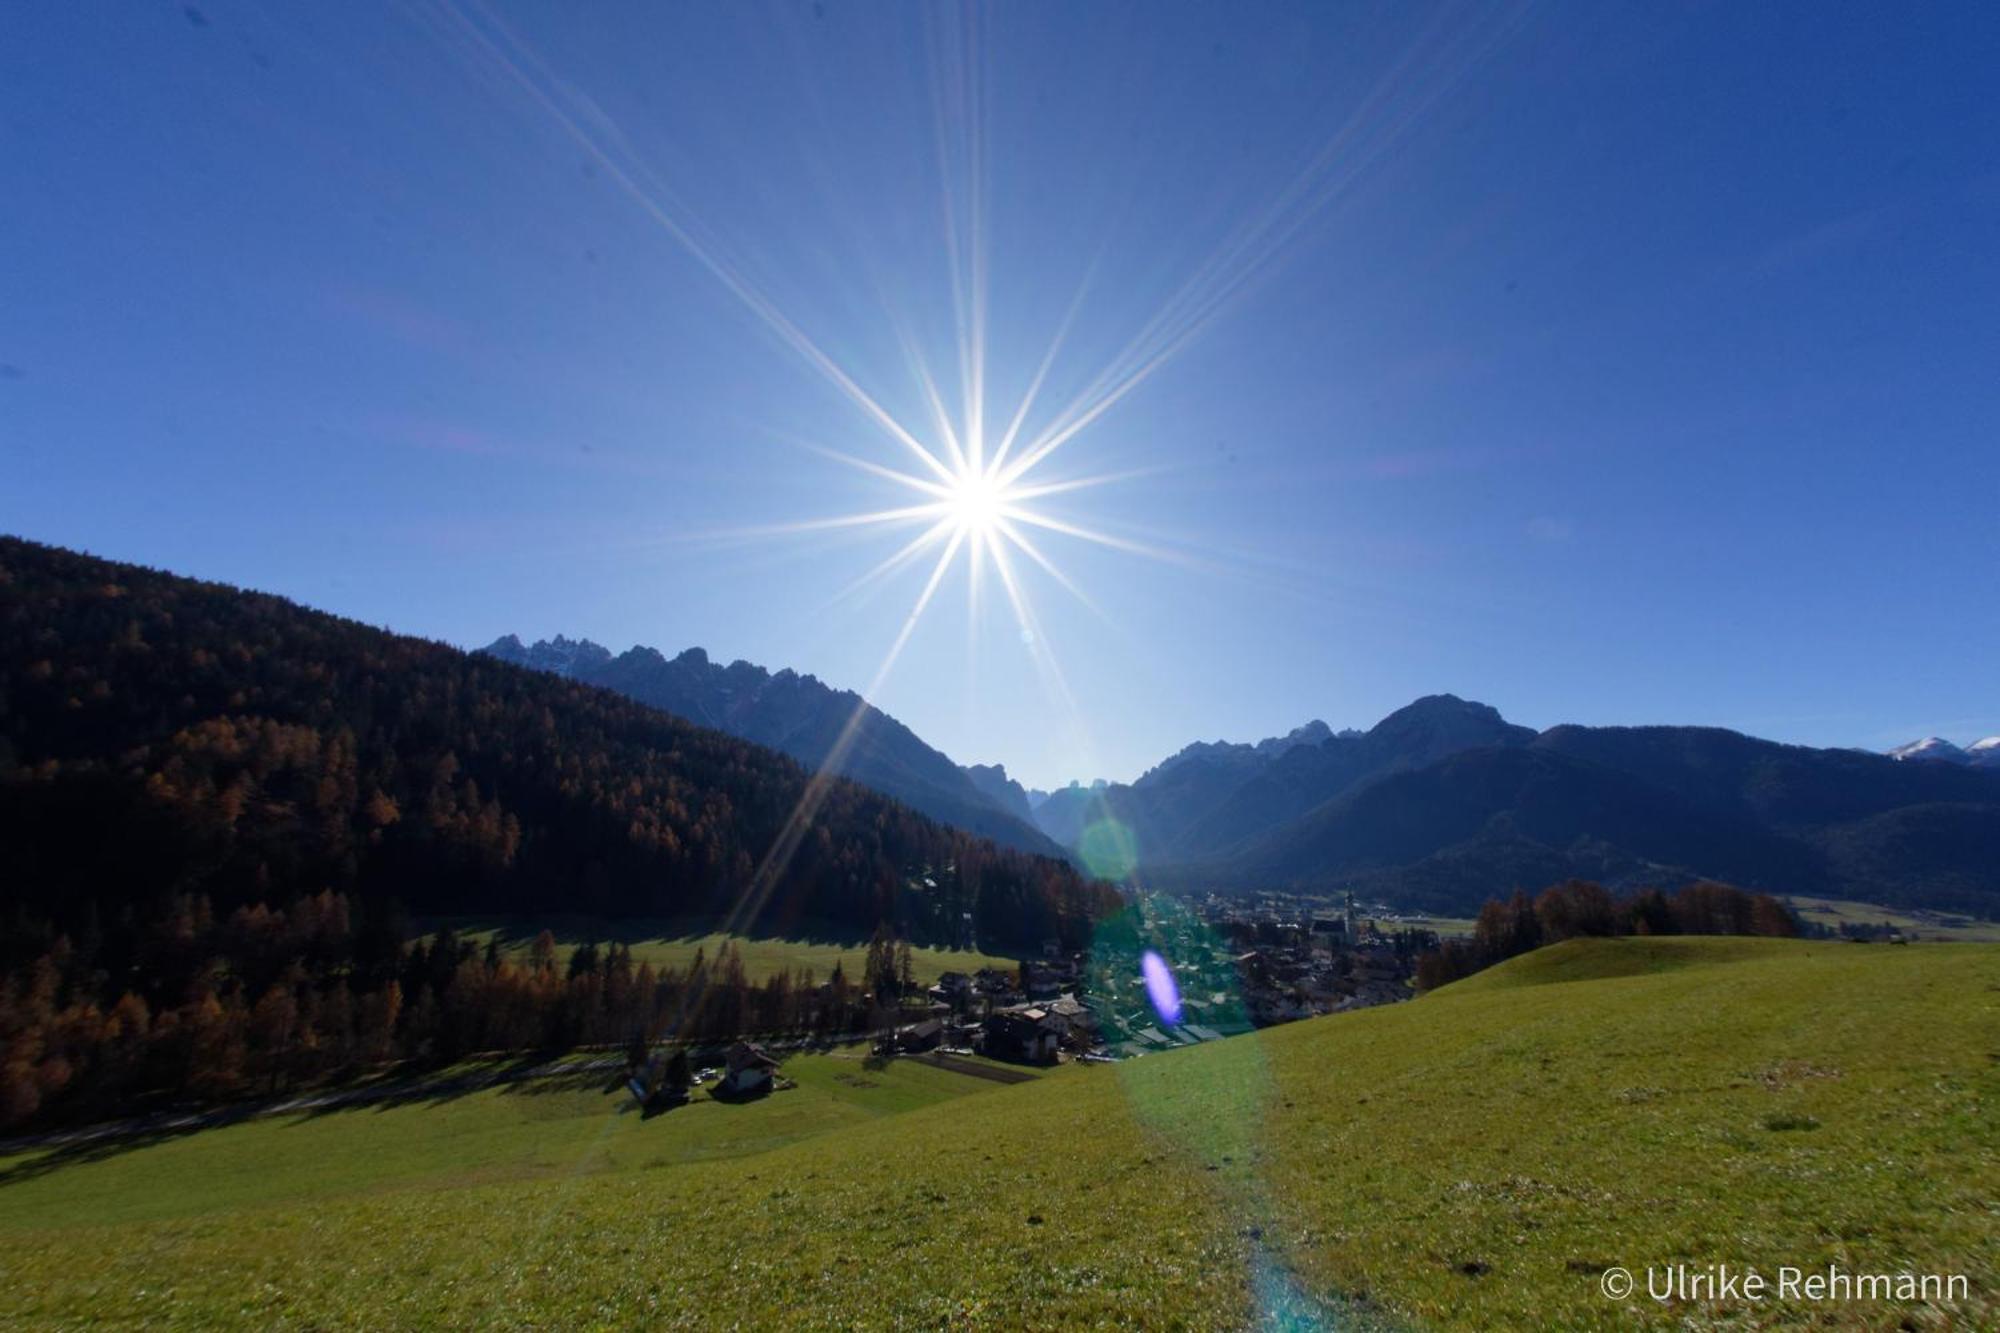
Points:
(222, 810)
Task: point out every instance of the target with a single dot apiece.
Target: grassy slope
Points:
(663, 945)
(528, 1133)
(1470, 1160)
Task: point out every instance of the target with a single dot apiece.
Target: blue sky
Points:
(1603, 363)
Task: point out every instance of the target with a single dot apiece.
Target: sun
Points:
(976, 502)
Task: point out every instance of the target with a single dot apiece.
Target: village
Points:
(1237, 964)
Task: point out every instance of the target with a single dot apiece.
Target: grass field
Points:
(1475, 1159)
(536, 1134)
(1923, 925)
(1443, 925)
(663, 944)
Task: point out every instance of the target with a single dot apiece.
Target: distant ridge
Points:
(802, 717)
(1444, 803)
(1003, 791)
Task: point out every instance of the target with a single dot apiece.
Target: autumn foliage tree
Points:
(1577, 908)
(221, 810)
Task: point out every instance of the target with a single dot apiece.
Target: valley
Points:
(1300, 668)
(1348, 1165)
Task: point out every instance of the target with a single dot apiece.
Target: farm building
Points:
(924, 1036)
(749, 1071)
(1030, 1035)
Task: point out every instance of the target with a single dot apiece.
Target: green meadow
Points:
(1478, 1158)
(667, 944)
(1923, 925)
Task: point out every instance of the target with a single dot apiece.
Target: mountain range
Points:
(804, 718)
(1439, 805)
(1444, 803)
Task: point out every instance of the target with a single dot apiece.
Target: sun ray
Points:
(1040, 651)
(938, 572)
(957, 100)
(906, 513)
(1042, 370)
(750, 903)
(977, 542)
(1018, 493)
(1439, 57)
(903, 557)
(920, 368)
(1048, 566)
(983, 501)
(637, 181)
(1055, 438)
(1077, 530)
(915, 483)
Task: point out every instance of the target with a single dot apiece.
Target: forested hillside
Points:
(796, 715)
(162, 736)
(217, 809)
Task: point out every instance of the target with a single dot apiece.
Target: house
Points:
(924, 1036)
(749, 1070)
(1029, 1035)
(992, 981)
(1072, 1012)
(954, 989)
(1043, 982)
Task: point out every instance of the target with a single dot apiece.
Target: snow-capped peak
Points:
(1930, 747)
(1991, 745)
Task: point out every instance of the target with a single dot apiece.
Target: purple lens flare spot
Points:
(1160, 988)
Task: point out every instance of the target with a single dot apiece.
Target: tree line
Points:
(1582, 908)
(256, 1001)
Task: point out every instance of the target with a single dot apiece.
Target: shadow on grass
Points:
(568, 931)
(432, 1091)
(583, 1080)
(104, 1148)
(520, 1076)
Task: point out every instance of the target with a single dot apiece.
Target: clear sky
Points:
(1606, 363)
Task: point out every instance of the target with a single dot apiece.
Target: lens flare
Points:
(1160, 987)
(1109, 850)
